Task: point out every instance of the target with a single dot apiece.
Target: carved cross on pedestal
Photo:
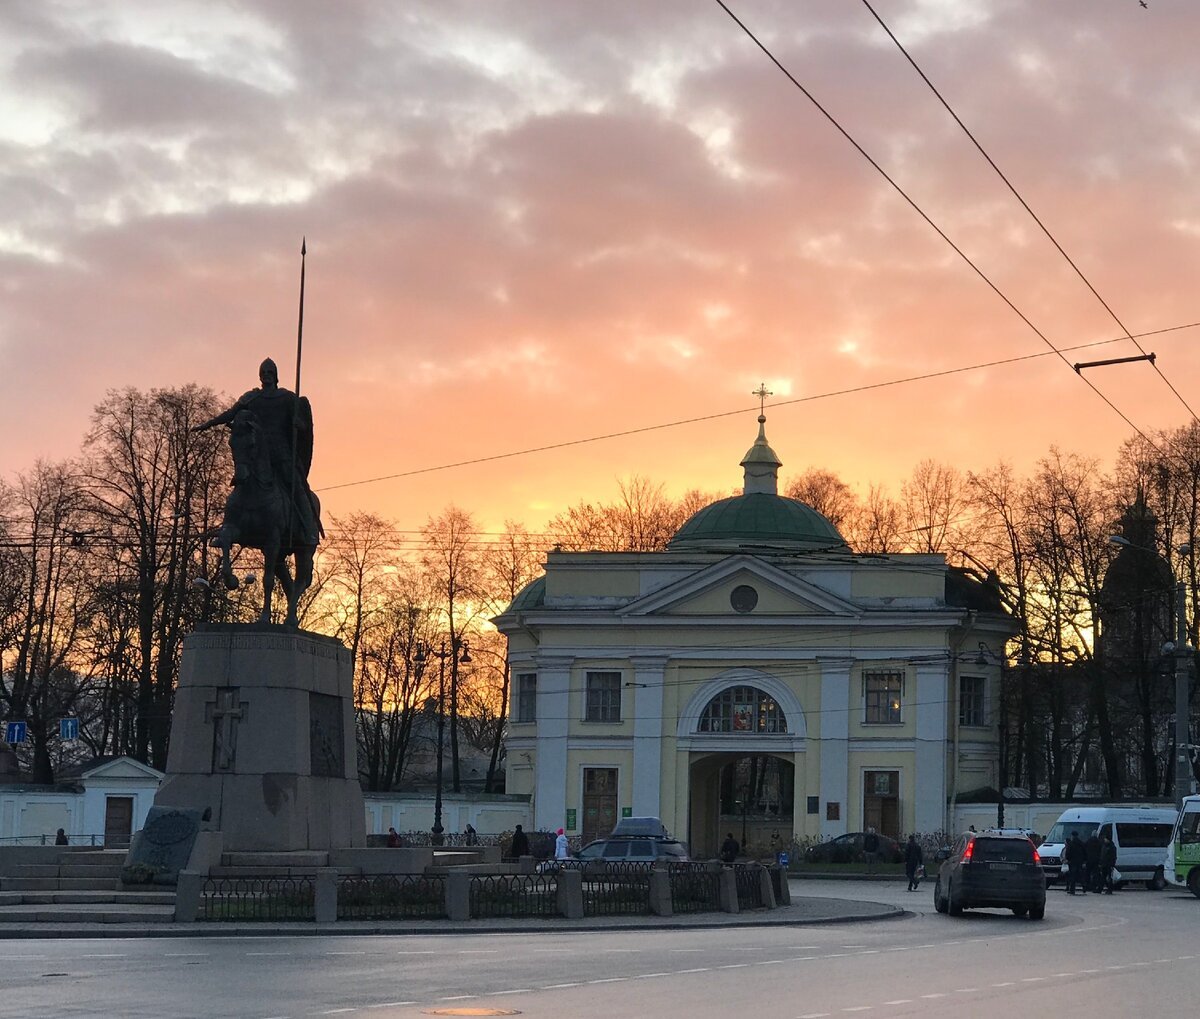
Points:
(762, 392)
(225, 713)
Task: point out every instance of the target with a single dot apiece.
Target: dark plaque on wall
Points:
(328, 758)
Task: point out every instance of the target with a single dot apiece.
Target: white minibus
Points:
(1141, 835)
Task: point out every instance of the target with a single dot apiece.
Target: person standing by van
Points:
(1108, 863)
(1091, 867)
(1076, 859)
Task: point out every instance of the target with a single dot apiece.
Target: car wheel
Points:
(1193, 881)
(1020, 910)
(1158, 882)
(1037, 912)
(939, 900)
(953, 903)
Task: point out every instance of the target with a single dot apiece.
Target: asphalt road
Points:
(1130, 954)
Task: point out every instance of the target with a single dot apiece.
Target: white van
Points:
(1141, 835)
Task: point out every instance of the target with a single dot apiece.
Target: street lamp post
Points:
(459, 651)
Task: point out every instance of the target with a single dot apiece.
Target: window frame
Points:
(525, 699)
(882, 705)
(979, 718)
(602, 705)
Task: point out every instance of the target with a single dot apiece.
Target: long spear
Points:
(296, 413)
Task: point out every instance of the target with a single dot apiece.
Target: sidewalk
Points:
(802, 911)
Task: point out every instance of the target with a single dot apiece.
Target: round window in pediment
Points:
(743, 598)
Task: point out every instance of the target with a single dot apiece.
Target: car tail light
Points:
(968, 851)
(1036, 857)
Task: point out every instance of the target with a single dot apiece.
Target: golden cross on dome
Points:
(762, 392)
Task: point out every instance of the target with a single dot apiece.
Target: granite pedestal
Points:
(263, 735)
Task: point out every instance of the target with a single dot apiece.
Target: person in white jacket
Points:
(561, 852)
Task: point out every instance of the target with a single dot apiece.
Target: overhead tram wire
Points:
(1025, 205)
(925, 216)
(743, 410)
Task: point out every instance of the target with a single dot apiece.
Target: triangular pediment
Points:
(122, 768)
(711, 591)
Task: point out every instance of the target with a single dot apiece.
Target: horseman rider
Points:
(286, 422)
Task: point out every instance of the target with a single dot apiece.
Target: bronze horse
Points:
(259, 514)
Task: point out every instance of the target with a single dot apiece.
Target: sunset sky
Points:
(536, 222)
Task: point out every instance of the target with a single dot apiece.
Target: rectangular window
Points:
(972, 700)
(603, 697)
(526, 697)
(881, 694)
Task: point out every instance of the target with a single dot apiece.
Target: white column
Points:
(928, 785)
(647, 735)
(835, 743)
(553, 722)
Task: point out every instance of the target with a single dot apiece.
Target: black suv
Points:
(985, 869)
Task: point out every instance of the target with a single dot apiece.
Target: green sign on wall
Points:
(627, 811)
(571, 819)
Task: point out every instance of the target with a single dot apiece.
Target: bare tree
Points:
(828, 494)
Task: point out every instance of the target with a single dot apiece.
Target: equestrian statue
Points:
(271, 507)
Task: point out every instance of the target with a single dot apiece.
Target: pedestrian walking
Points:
(730, 849)
(470, 836)
(1075, 855)
(870, 849)
(914, 863)
(561, 852)
(393, 838)
(520, 843)
(1108, 863)
(1091, 866)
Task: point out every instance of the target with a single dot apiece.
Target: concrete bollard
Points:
(326, 895)
(768, 887)
(187, 896)
(660, 893)
(458, 895)
(570, 893)
(729, 895)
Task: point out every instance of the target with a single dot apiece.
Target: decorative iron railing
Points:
(494, 895)
(391, 897)
(749, 886)
(271, 897)
(695, 887)
(613, 889)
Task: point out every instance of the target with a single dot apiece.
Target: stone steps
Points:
(60, 884)
(138, 898)
(99, 912)
(311, 859)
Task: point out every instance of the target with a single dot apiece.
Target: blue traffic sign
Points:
(14, 732)
(68, 728)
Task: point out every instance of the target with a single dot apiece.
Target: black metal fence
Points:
(749, 886)
(258, 898)
(391, 897)
(695, 888)
(615, 889)
(495, 895)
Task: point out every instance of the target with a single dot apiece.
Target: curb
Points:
(43, 931)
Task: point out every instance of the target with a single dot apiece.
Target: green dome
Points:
(531, 596)
(757, 519)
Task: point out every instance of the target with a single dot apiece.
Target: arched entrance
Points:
(751, 795)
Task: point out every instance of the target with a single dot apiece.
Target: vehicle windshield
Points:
(1002, 851)
(1063, 830)
(1189, 826)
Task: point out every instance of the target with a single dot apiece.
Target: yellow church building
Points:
(757, 677)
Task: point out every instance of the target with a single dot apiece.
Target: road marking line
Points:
(516, 990)
(249, 954)
(965, 990)
(899, 1001)
(672, 949)
(649, 976)
(1089, 971)
(769, 962)
(555, 987)
(1004, 983)
(105, 956)
(858, 1008)
(813, 1015)
(185, 955)
(345, 953)
(698, 969)
(734, 965)
(478, 951)
(391, 1004)
(1064, 974)
(338, 1011)
(459, 997)
(608, 980)
(932, 995)
(1031, 980)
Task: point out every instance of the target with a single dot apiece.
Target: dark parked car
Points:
(849, 849)
(991, 870)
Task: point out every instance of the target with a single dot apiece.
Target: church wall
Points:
(592, 583)
(901, 578)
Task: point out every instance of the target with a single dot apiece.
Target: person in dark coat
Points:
(393, 839)
(1091, 867)
(730, 849)
(1075, 855)
(870, 844)
(913, 859)
(520, 843)
(60, 839)
(1108, 862)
